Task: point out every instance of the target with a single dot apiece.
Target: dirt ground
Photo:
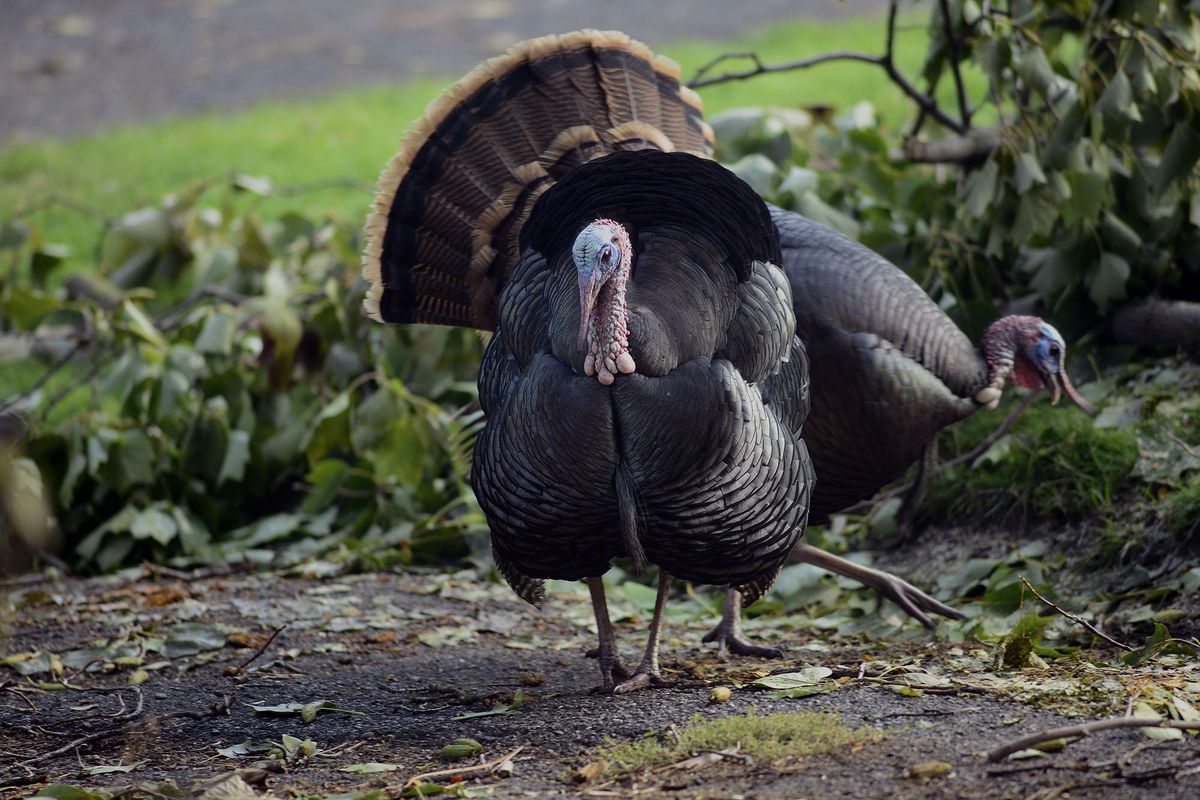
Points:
(146, 669)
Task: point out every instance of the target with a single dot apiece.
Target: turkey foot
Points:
(648, 674)
(911, 600)
(612, 669)
(728, 633)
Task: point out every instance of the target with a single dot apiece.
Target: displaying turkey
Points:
(644, 387)
(889, 370)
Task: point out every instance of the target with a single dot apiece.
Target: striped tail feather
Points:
(443, 233)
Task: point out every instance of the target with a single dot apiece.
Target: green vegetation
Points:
(230, 398)
(1055, 463)
(764, 738)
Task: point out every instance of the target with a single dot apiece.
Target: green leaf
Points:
(980, 189)
(153, 523)
(1179, 157)
(137, 323)
(216, 337)
(808, 676)
(1090, 191)
(369, 768)
(330, 431)
(62, 791)
(190, 638)
(498, 709)
(306, 711)
(133, 460)
(1026, 172)
(237, 456)
(1116, 103)
(1107, 282)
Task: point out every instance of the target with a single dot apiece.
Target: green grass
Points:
(1055, 463)
(351, 134)
(763, 738)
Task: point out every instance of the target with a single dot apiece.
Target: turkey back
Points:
(445, 228)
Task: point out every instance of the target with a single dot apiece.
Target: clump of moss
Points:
(764, 738)
(1054, 463)
(1183, 509)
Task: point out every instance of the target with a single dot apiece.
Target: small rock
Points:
(719, 694)
(930, 769)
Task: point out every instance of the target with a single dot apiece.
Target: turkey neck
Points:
(1000, 345)
(609, 329)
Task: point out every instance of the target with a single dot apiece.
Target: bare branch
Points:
(926, 105)
(698, 80)
(964, 109)
(1085, 729)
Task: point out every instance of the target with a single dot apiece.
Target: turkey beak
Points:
(1058, 383)
(589, 287)
(1065, 383)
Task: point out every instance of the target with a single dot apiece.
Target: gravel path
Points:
(71, 67)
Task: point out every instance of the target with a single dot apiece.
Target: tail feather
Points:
(447, 217)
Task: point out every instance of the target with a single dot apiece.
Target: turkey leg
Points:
(728, 634)
(911, 600)
(611, 667)
(647, 673)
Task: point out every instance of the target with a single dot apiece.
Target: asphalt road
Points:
(70, 66)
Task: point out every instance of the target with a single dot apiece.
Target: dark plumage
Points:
(889, 370)
(644, 387)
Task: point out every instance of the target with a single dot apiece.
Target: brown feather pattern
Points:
(443, 234)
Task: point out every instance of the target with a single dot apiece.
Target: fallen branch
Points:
(445, 773)
(1086, 729)
(238, 669)
(926, 104)
(1076, 618)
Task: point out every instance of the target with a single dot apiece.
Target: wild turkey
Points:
(644, 388)
(889, 370)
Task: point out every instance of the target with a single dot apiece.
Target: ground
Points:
(409, 660)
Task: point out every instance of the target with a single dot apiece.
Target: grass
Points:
(763, 738)
(351, 134)
(1054, 463)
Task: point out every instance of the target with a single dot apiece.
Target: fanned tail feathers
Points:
(450, 205)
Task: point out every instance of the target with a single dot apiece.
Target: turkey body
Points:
(648, 405)
(889, 368)
(703, 440)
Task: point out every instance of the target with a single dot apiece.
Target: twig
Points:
(698, 80)
(442, 773)
(975, 452)
(238, 669)
(925, 103)
(952, 38)
(1086, 729)
(1076, 618)
(91, 737)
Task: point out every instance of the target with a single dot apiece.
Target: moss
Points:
(1183, 509)
(1054, 463)
(764, 738)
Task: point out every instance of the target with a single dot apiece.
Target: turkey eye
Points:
(1054, 351)
(606, 255)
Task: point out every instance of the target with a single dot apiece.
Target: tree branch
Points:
(698, 80)
(968, 150)
(964, 109)
(926, 104)
(1085, 729)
